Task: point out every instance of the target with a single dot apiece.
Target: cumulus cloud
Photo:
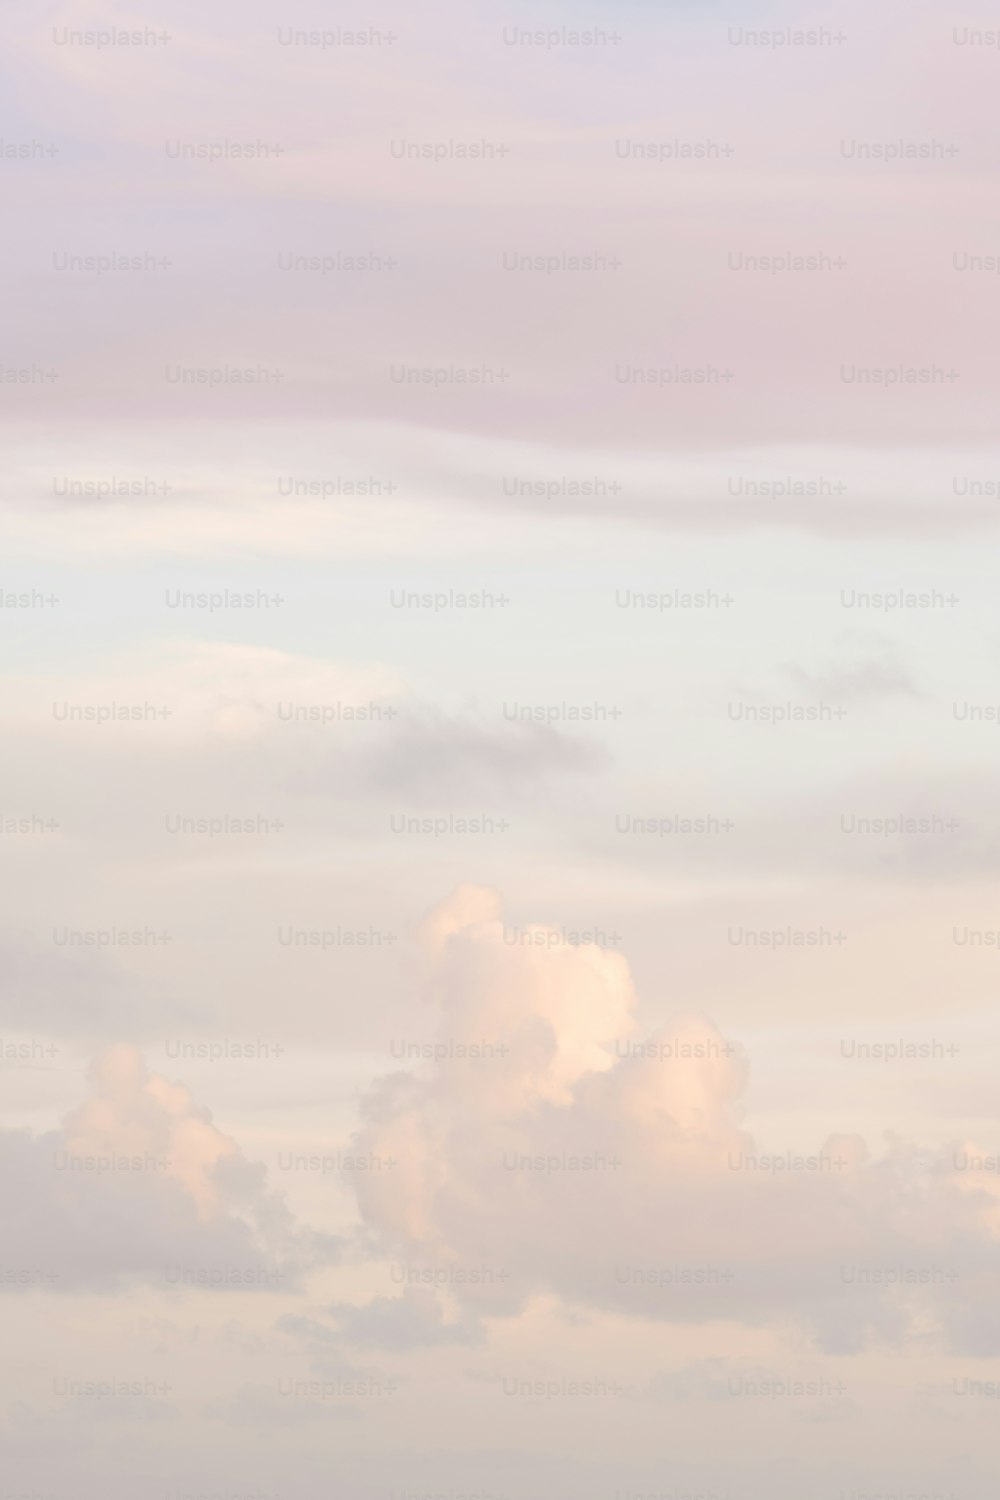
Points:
(138, 1182)
(616, 1171)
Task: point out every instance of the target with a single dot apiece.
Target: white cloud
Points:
(617, 1172)
(139, 1182)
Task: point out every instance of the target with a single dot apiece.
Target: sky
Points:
(500, 703)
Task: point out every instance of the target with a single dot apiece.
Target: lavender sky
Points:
(501, 697)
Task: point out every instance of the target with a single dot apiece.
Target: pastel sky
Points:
(501, 718)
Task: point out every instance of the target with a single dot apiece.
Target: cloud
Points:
(872, 672)
(138, 1182)
(414, 1320)
(79, 993)
(308, 727)
(192, 694)
(435, 756)
(614, 1171)
(428, 491)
